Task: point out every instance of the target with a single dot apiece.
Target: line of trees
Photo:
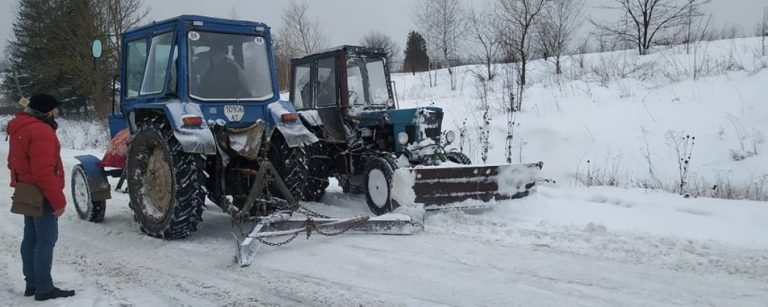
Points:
(48, 51)
(517, 31)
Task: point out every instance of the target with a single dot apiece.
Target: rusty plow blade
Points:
(279, 228)
(449, 187)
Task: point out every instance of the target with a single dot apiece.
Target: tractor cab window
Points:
(355, 84)
(302, 89)
(157, 64)
(377, 79)
(367, 82)
(229, 67)
(134, 66)
(326, 82)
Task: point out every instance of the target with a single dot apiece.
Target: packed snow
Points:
(565, 244)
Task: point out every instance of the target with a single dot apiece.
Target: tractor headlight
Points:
(450, 136)
(402, 138)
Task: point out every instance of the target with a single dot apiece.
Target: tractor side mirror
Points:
(96, 48)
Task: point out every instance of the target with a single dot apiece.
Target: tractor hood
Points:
(418, 123)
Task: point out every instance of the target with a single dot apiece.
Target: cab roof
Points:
(348, 49)
(204, 19)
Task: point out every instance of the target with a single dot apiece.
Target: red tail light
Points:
(289, 117)
(192, 121)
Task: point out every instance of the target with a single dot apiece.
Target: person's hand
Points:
(59, 212)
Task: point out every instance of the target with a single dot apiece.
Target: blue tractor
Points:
(199, 116)
(394, 156)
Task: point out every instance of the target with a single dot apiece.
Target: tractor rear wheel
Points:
(348, 186)
(166, 184)
(87, 209)
(291, 165)
(320, 166)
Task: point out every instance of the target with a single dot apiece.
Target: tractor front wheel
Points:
(164, 182)
(378, 186)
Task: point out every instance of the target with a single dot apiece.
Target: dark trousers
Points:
(40, 235)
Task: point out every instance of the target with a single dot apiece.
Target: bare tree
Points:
(483, 23)
(764, 28)
(443, 23)
(648, 22)
(299, 34)
(694, 13)
(233, 13)
(117, 16)
(376, 39)
(731, 31)
(518, 18)
(559, 22)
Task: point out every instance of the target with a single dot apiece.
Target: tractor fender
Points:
(311, 117)
(294, 132)
(193, 139)
(97, 178)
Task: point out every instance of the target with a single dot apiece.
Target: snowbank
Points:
(618, 118)
(78, 135)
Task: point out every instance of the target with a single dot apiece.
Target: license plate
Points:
(234, 112)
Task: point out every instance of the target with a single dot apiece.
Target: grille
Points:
(432, 122)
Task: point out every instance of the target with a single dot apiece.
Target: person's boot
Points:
(29, 291)
(53, 294)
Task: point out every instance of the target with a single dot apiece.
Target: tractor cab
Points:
(215, 70)
(347, 90)
(340, 84)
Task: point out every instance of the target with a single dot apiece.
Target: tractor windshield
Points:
(229, 67)
(367, 82)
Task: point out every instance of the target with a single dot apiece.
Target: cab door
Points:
(326, 98)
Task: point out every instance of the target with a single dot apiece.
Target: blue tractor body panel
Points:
(116, 124)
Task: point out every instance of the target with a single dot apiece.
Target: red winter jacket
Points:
(34, 157)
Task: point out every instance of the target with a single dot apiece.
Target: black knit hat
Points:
(43, 103)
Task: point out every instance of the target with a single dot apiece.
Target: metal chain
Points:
(333, 234)
(278, 243)
(310, 213)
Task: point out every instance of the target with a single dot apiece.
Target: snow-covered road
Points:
(561, 246)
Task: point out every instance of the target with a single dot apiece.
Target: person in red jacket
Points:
(34, 158)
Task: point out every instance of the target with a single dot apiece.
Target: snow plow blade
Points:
(438, 188)
(281, 225)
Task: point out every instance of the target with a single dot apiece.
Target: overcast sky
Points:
(346, 21)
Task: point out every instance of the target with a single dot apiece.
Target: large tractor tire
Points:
(320, 167)
(87, 209)
(458, 158)
(348, 187)
(291, 165)
(166, 184)
(378, 185)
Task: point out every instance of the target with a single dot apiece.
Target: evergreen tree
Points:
(416, 58)
(50, 52)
